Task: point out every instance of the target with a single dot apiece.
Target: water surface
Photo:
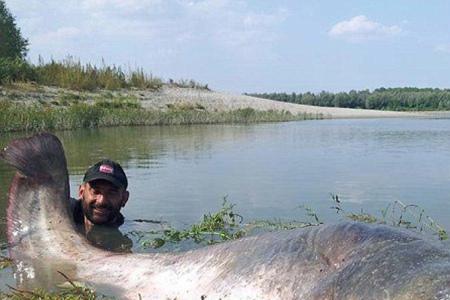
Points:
(268, 170)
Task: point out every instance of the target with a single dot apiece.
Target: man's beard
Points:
(105, 217)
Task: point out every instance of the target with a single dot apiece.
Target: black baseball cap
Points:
(108, 170)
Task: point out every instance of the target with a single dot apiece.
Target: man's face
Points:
(101, 201)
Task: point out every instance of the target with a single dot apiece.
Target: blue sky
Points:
(251, 46)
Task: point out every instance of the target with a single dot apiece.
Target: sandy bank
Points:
(220, 101)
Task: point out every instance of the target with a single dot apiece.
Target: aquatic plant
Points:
(223, 225)
(226, 224)
(396, 214)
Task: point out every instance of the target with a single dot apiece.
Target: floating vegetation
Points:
(396, 214)
(217, 227)
(311, 219)
(226, 224)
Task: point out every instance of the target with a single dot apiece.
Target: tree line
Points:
(405, 98)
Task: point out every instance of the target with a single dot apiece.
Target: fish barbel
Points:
(347, 260)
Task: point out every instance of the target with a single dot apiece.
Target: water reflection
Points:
(129, 146)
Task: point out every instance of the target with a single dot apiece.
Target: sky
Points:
(250, 46)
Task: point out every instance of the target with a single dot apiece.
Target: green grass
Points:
(74, 75)
(71, 114)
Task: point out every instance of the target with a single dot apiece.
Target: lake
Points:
(176, 174)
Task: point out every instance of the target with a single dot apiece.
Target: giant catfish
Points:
(341, 261)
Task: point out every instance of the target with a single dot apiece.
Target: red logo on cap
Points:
(106, 169)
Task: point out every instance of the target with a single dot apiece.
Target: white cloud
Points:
(232, 24)
(154, 31)
(223, 23)
(360, 28)
(444, 48)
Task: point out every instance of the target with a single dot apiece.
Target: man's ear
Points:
(81, 190)
(125, 196)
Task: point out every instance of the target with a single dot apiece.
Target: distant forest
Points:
(406, 98)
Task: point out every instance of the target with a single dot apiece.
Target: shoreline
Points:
(222, 101)
(24, 105)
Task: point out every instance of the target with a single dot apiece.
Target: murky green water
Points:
(268, 170)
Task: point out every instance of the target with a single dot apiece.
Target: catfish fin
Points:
(40, 156)
(39, 192)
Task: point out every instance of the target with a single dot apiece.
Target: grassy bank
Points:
(68, 114)
(68, 95)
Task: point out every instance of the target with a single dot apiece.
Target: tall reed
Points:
(72, 74)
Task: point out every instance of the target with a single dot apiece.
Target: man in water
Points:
(96, 213)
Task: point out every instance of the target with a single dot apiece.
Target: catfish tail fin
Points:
(39, 192)
(40, 157)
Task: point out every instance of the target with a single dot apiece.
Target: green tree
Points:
(12, 44)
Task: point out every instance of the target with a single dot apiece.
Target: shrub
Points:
(15, 69)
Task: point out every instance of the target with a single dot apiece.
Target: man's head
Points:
(103, 192)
